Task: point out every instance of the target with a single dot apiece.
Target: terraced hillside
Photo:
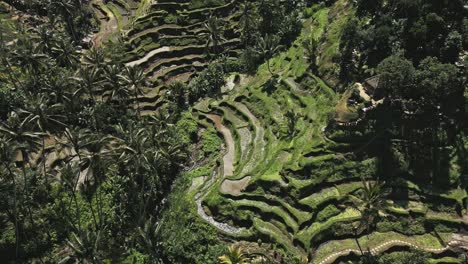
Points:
(285, 175)
(173, 40)
(115, 16)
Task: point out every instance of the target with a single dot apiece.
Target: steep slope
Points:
(293, 173)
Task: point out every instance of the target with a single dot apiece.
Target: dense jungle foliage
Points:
(116, 119)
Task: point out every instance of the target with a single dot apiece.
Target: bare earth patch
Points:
(235, 187)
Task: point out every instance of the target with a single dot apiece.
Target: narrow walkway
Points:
(227, 170)
(147, 56)
(258, 143)
(229, 157)
(382, 248)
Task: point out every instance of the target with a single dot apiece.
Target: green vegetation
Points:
(233, 131)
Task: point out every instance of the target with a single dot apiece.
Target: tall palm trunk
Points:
(137, 103)
(15, 209)
(269, 67)
(44, 162)
(357, 241)
(74, 187)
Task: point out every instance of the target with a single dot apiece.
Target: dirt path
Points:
(148, 56)
(363, 93)
(227, 170)
(229, 157)
(384, 247)
(258, 143)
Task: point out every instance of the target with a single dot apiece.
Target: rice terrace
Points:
(234, 131)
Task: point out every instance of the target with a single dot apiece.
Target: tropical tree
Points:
(69, 176)
(85, 246)
(396, 77)
(178, 94)
(75, 139)
(29, 58)
(136, 155)
(118, 91)
(18, 131)
(95, 154)
(94, 58)
(7, 155)
(65, 53)
(46, 37)
(45, 117)
(267, 47)
(150, 237)
(89, 81)
(215, 34)
(235, 255)
(58, 87)
(369, 201)
(66, 9)
(134, 78)
(247, 20)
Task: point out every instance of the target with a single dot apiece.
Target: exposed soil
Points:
(235, 187)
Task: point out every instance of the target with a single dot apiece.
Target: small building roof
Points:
(372, 82)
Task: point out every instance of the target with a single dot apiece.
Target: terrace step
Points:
(151, 96)
(166, 73)
(269, 211)
(243, 135)
(228, 158)
(377, 243)
(271, 231)
(167, 29)
(307, 235)
(170, 62)
(258, 151)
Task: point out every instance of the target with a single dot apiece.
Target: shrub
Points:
(211, 141)
(403, 258)
(402, 225)
(201, 171)
(187, 128)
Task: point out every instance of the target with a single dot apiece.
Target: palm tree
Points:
(149, 235)
(75, 140)
(214, 28)
(89, 80)
(94, 58)
(178, 94)
(95, 154)
(134, 78)
(29, 58)
(45, 117)
(18, 131)
(66, 8)
(69, 175)
(369, 201)
(46, 39)
(65, 53)
(267, 47)
(118, 91)
(4, 56)
(58, 86)
(247, 20)
(235, 255)
(85, 246)
(7, 154)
